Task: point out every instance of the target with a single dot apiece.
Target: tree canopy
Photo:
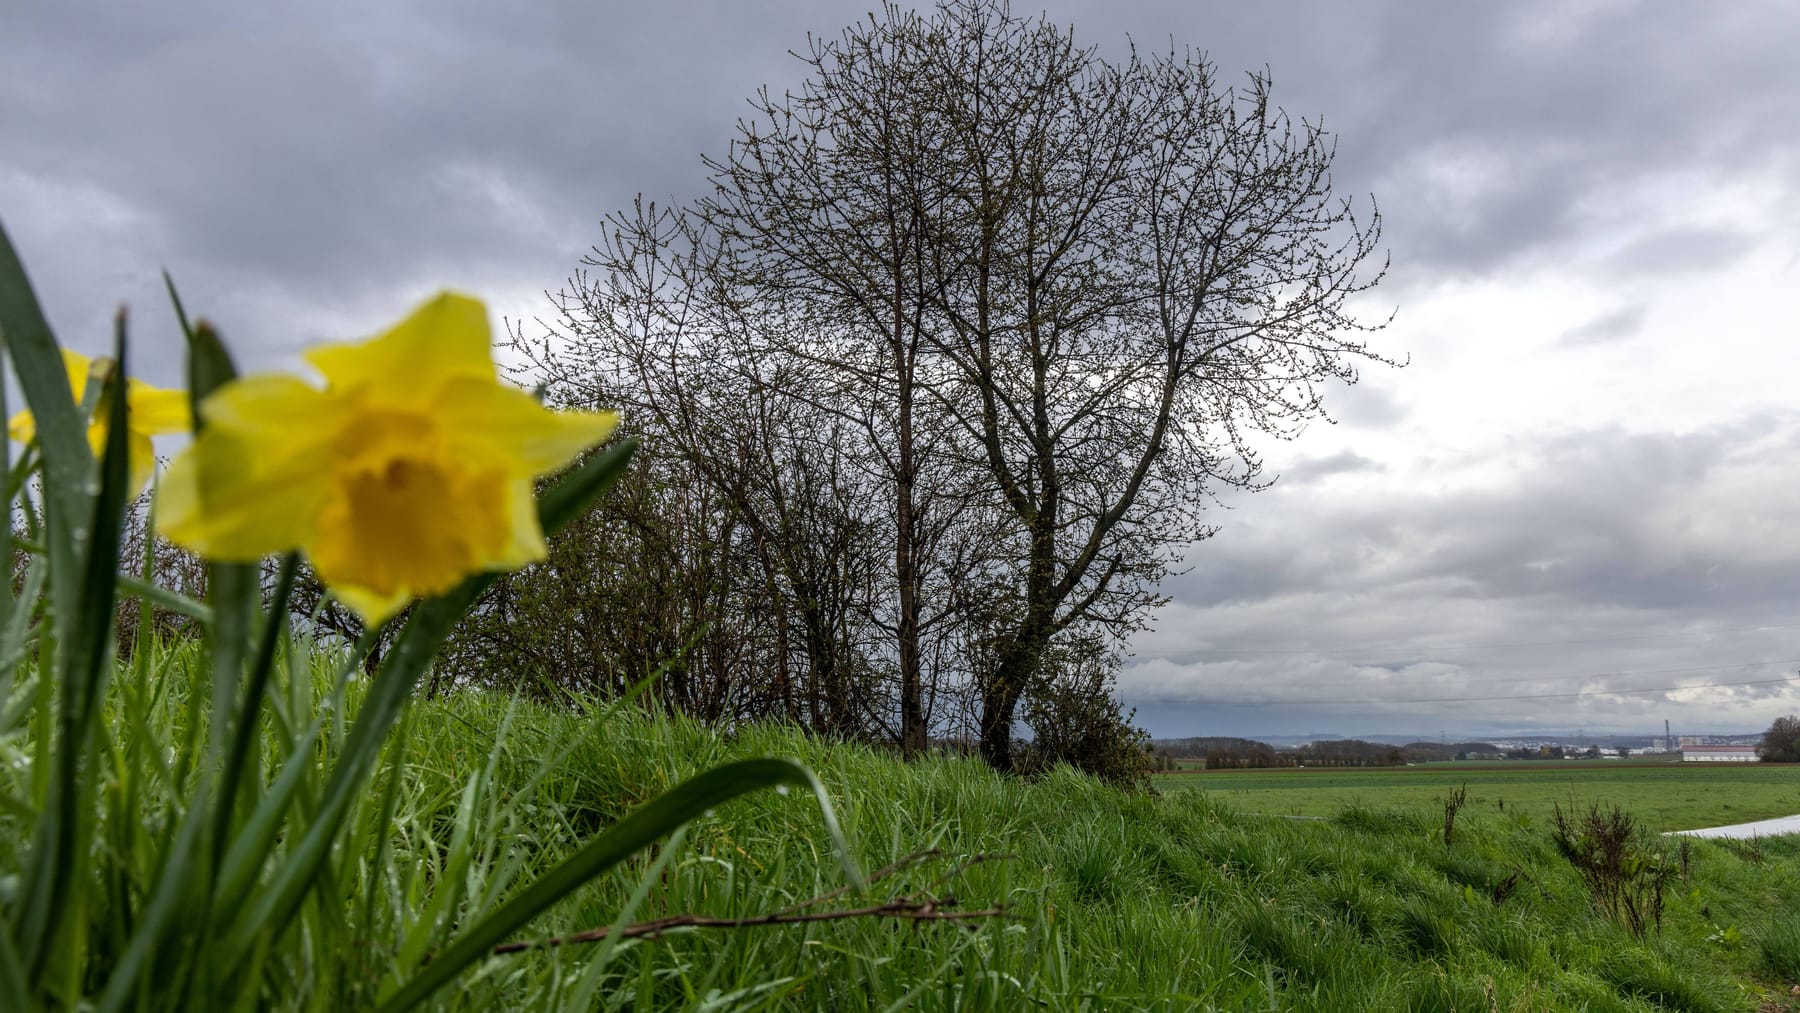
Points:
(1781, 743)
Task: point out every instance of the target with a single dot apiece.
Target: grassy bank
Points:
(1112, 901)
(1665, 796)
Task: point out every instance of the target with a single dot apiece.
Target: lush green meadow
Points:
(1663, 795)
(1096, 899)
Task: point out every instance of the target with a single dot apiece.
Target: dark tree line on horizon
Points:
(1231, 753)
(935, 386)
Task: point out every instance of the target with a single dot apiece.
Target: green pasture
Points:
(1663, 795)
(1078, 896)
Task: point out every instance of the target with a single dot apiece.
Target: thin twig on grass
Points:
(907, 907)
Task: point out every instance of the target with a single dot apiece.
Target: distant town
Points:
(1325, 750)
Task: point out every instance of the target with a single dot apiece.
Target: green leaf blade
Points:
(649, 823)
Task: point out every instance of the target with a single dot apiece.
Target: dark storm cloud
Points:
(1488, 130)
(299, 155)
(1575, 106)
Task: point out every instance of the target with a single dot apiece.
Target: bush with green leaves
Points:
(1075, 719)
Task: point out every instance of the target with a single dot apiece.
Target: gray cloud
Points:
(1616, 325)
(1504, 121)
(1680, 249)
(307, 170)
(1607, 517)
(1317, 469)
(326, 158)
(1607, 558)
(1368, 404)
(275, 159)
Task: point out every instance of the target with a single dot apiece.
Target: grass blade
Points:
(180, 604)
(13, 993)
(575, 492)
(245, 856)
(42, 376)
(83, 661)
(238, 757)
(230, 589)
(209, 366)
(651, 822)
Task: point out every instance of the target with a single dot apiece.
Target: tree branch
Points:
(908, 907)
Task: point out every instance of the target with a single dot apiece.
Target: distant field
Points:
(1665, 796)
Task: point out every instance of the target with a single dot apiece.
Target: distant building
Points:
(1717, 754)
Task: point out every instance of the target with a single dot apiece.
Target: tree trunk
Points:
(998, 702)
(906, 572)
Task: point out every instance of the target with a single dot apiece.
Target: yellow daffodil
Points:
(153, 412)
(411, 469)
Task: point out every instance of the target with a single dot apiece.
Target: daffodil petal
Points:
(237, 501)
(140, 453)
(271, 406)
(142, 458)
(412, 470)
(257, 475)
(155, 411)
(22, 426)
(374, 607)
(525, 536)
(445, 339)
(502, 423)
(77, 366)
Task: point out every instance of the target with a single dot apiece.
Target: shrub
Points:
(1075, 720)
(1623, 875)
(1457, 798)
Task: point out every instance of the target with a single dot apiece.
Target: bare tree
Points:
(1057, 298)
(1131, 271)
(666, 329)
(826, 201)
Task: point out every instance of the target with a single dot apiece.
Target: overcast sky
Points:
(1586, 480)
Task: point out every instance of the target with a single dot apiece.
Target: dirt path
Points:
(1761, 828)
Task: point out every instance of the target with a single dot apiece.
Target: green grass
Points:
(1666, 796)
(1114, 901)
